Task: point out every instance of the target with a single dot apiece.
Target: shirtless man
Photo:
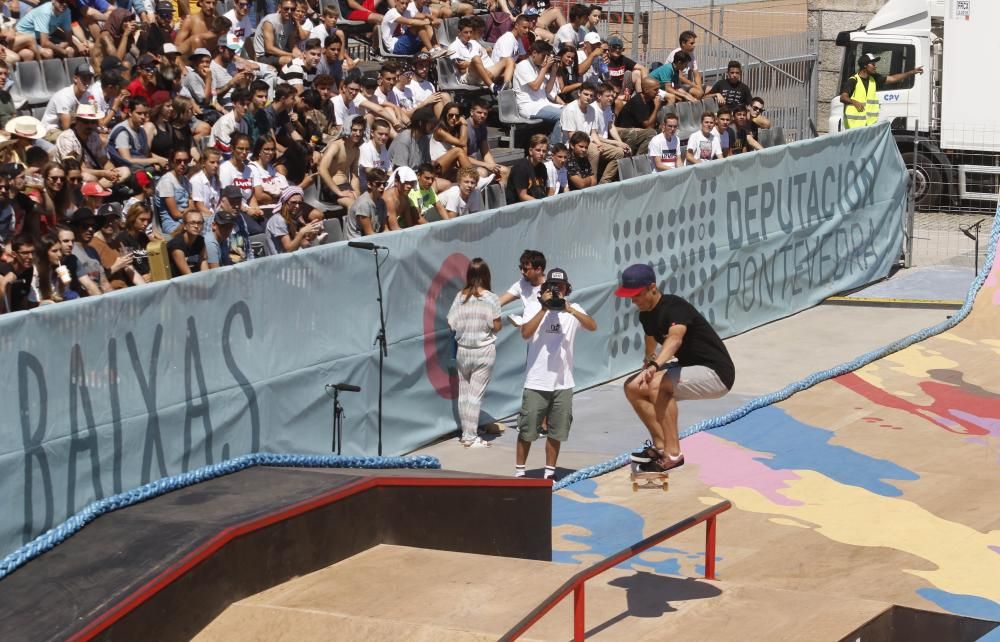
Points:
(202, 29)
(397, 201)
(339, 165)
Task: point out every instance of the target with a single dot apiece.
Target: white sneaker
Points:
(476, 443)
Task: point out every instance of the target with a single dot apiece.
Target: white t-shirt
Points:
(421, 90)
(404, 97)
(528, 294)
(62, 102)
(320, 33)
(667, 151)
(550, 351)
(344, 113)
(382, 98)
(390, 30)
(206, 191)
(466, 52)
(369, 157)
(451, 198)
(529, 101)
(557, 177)
(573, 119)
(692, 66)
(229, 175)
(567, 33)
(705, 148)
(507, 46)
(239, 30)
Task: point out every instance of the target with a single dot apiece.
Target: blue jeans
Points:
(551, 115)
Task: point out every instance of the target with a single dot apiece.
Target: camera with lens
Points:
(140, 259)
(557, 302)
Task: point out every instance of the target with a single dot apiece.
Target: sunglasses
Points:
(376, 183)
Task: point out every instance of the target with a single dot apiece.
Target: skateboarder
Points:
(704, 370)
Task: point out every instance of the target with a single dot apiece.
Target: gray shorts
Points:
(556, 406)
(696, 382)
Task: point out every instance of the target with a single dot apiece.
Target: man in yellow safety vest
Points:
(859, 92)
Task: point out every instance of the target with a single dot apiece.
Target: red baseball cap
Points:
(93, 188)
(635, 279)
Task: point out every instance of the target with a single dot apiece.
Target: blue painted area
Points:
(586, 488)
(800, 446)
(967, 605)
(612, 528)
(992, 636)
(930, 283)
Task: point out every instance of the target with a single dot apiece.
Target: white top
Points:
(206, 191)
(239, 30)
(229, 175)
(390, 30)
(382, 98)
(369, 157)
(320, 33)
(472, 319)
(404, 97)
(466, 52)
(451, 198)
(507, 46)
(692, 66)
(567, 33)
(421, 90)
(62, 102)
(573, 119)
(344, 113)
(529, 101)
(705, 148)
(528, 294)
(557, 177)
(667, 151)
(550, 351)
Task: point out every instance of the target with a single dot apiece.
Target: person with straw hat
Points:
(24, 131)
(84, 143)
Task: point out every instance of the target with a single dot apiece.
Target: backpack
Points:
(117, 159)
(497, 24)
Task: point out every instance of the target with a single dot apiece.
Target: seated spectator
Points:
(422, 91)
(555, 169)
(187, 249)
(134, 239)
(529, 179)
(374, 154)
(157, 32)
(368, 215)
(284, 234)
(202, 30)
(24, 131)
(67, 240)
(424, 197)
(49, 23)
(579, 15)
(170, 74)
(241, 25)
(297, 165)
(239, 241)
(638, 117)
(198, 85)
(744, 139)
(338, 167)
(327, 26)
(75, 183)
(533, 83)
(474, 64)
(16, 277)
(218, 248)
(344, 108)
(302, 122)
(723, 118)
(332, 62)
(731, 90)
(448, 143)
(462, 197)
(52, 281)
(567, 73)
(146, 196)
(8, 214)
(688, 77)
(83, 142)
(579, 173)
(173, 193)
(144, 84)
(118, 34)
(369, 107)
(206, 189)
(510, 45)
(268, 182)
(404, 34)
(108, 96)
(301, 71)
(411, 147)
(757, 118)
(272, 118)
(590, 59)
(477, 144)
(84, 224)
(610, 145)
(62, 105)
(623, 72)
(128, 144)
(384, 95)
(159, 126)
(93, 197)
(232, 121)
(665, 148)
(7, 108)
(275, 37)
(237, 171)
(364, 11)
(56, 196)
(117, 264)
(669, 76)
(545, 16)
(703, 145)
(398, 204)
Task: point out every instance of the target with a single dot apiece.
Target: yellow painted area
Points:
(948, 336)
(656, 556)
(784, 521)
(560, 543)
(962, 560)
(916, 361)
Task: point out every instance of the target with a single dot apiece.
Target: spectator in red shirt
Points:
(145, 80)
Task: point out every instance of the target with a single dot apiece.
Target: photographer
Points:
(548, 386)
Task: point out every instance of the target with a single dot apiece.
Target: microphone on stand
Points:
(365, 245)
(343, 387)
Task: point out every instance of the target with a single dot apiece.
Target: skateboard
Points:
(648, 480)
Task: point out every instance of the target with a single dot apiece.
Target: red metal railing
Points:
(576, 583)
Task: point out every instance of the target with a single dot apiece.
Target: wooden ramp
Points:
(400, 593)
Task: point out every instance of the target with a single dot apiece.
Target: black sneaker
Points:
(662, 465)
(646, 454)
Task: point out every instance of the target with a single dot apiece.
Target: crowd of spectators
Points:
(204, 128)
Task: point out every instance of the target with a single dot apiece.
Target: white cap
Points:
(403, 175)
(169, 48)
(593, 38)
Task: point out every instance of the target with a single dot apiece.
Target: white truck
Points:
(944, 121)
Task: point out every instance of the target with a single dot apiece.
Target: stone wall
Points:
(830, 17)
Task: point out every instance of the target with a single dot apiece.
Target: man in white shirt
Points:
(665, 148)
(462, 197)
(471, 59)
(240, 25)
(528, 287)
(690, 76)
(510, 45)
(344, 107)
(556, 169)
(62, 105)
(206, 190)
(404, 34)
(703, 145)
(533, 84)
(570, 32)
(374, 153)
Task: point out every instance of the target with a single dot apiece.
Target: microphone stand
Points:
(338, 422)
(382, 343)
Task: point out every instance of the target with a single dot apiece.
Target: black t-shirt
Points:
(852, 82)
(738, 139)
(617, 70)
(20, 290)
(701, 345)
(738, 95)
(578, 167)
(524, 175)
(192, 252)
(634, 113)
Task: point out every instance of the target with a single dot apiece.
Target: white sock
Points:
(518, 470)
(549, 472)
(677, 458)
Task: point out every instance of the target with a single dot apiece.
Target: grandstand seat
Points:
(765, 137)
(258, 245)
(55, 75)
(777, 136)
(708, 104)
(73, 63)
(334, 230)
(447, 31)
(507, 104)
(448, 77)
(626, 168)
(30, 82)
(687, 121)
(431, 215)
(642, 165)
(38, 111)
(496, 197)
(380, 49)
(311, 195)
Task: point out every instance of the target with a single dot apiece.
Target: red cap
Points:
(94, 189)
(143, 179)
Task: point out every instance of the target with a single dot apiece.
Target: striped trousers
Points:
(475, 368)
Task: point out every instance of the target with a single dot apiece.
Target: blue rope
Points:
(92, 511)
(817, 377)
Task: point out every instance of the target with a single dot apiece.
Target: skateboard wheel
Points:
(635, 487)
(666, 486)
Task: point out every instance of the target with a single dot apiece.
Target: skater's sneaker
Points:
(478, 442)
(662, 465)
(646, 454)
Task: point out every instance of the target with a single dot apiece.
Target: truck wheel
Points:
(928, 187)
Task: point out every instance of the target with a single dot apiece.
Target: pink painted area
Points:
(991, 424)
(722, 464)
(995, 549)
